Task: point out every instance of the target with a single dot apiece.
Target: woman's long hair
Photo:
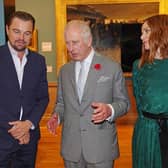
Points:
(158, 39)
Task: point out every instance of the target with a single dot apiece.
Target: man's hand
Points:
(101, 112)
(24, 139)
(20, 130)
(52, 124)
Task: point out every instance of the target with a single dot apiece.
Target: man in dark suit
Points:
(89, 136)
(23, 94)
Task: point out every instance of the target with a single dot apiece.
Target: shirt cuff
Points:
(110, 119)
(32, 127)
(57, 118)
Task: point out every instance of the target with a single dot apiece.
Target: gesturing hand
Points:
(101, 112)
(52, 124)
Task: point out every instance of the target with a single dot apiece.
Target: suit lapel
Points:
(92, 78)
(10, 69)
(72, 78)
(27, 70)
(31, 71)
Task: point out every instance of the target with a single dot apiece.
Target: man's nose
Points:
(21, 36)
(70, 47)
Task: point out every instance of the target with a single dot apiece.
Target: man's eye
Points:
(27, 33)
(16, 31)
(75, 42)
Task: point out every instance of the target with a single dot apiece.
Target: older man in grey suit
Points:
(88, 114)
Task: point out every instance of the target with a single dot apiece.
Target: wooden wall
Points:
(52, 96)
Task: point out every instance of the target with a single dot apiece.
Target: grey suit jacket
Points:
(97, 142)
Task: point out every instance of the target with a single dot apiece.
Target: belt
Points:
(160, 116)
(161, 119)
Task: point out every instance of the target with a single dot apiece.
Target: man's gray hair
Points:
(83, 27)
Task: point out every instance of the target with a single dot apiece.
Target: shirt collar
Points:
(89, 58)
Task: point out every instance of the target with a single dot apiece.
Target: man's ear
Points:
(7, 29)
(90, 41)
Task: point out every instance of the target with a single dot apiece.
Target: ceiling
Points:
(124, 11)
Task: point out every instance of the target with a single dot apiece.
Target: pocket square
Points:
(103, 79)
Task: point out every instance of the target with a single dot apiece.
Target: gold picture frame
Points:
(34, 42)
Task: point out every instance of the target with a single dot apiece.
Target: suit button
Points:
(21, 95)
(83, 130)
(81, 115)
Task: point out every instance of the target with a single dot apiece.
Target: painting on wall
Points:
(34, 42)
(117, 40)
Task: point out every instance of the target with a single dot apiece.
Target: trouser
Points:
(20, 156)
(84, 164)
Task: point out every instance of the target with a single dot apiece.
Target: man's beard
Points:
(18, 48)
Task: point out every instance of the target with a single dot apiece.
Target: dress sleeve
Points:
(136, 90)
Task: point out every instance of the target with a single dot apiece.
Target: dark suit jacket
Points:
(33, 96)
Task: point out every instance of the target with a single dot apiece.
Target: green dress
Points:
(150, 84)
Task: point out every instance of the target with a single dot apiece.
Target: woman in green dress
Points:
(150, 84)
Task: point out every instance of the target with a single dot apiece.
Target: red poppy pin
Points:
(97, 66)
